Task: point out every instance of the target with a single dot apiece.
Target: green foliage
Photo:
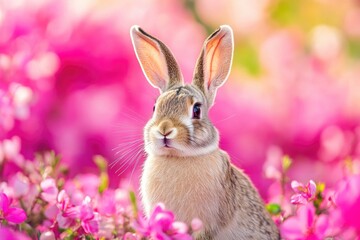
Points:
(273, 208)
(133, 203)
(286, 163)
(101, 163)
(305, 14)
(319, 198)
(353, 48)
(246, 57)
(285, 12)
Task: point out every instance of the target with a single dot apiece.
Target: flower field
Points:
(74, 101)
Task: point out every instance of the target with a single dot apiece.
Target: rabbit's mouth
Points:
(167, 144)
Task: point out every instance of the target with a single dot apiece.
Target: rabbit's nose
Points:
(165, 130)
(168, 133)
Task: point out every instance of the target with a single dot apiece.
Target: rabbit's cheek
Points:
(187, 123)
(201, 133)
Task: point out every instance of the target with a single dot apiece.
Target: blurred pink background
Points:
(69, 80)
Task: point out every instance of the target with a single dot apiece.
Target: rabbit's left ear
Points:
(214, 64)
(156, 60)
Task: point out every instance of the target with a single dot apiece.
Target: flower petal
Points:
(306, 216)
(72, 212)
(179, 227)
(86, 212)
(290, 229)
(196, 224)
(164, 220)
(64, 222)
(49, 190)
(312, 188)
(90, 226)
(15, 215)
(7, 233)
(321, 226)
(298, 199)
(296, 186)
(4, 202)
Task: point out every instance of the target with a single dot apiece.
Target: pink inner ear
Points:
(151, 60)
(212, 57)
(151, 43)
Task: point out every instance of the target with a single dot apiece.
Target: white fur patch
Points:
(173, 133)
(157, 134)
(197, 151)
(188, 124)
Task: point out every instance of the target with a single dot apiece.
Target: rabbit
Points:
(185, 169)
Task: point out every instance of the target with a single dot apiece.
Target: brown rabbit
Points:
(185, 168)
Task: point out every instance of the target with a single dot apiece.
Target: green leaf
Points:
(133, 203)
(353, 48)
(285, 11)
(286, 163)
(246, 56)
(320, 187)
(69, 234)
(100, 162)
(104, 182)
(56, 159)
(273, 208)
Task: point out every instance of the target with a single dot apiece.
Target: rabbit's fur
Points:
(185, 168)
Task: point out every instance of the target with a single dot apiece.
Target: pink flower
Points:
(49, 190)
(106, 227)
(21, 98)
(161, 225)
(7, 233)
(81, 186)
(20, 184)
(61, 212)
(130, 236)
(63, 200)
(348, 201)
(6, 112)
(11, 214)
(47, 235)
(107, 203)
(11, 147)
(272, 166)
(303, 193)
(89, 219)
(305, 225)
(67, 214)
(196, 224)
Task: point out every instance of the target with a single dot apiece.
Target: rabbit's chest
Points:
(191, 189)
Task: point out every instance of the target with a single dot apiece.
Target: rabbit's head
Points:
(180, 125)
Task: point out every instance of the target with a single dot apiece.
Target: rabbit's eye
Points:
(154, 108)
(197, 111)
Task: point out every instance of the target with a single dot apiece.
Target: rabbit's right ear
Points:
(156, 60)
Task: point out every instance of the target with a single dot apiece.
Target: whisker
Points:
(126, 150)
(131, 137)
(126, 162)
(124, 153)
(126, 145)
(224, 119)
(134, 118)
(128, 134)
(135, 156)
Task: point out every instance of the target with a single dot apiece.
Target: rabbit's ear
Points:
(214, 63)
(156, 60)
